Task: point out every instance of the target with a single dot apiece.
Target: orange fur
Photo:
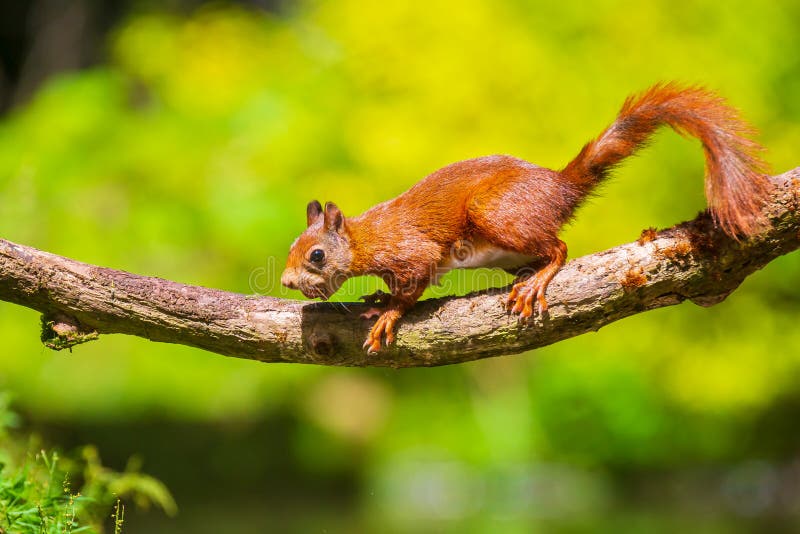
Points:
(736, 184)
(506, 205)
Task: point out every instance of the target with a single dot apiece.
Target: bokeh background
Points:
(183, 139)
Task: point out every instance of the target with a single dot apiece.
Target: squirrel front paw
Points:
(383, 327)
(371, 313)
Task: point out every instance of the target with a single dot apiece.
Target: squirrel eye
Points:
(317, 255)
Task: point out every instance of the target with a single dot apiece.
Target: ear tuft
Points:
(313, 211)
(334, 220)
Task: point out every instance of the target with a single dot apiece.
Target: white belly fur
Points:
(469, 255)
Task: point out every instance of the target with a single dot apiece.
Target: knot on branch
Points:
(60, 331)
(322, 343)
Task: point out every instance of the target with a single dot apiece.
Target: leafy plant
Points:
(38, 493)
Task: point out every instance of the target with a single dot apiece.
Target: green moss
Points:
(67, 340)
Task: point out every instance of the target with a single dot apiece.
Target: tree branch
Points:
(691, 261)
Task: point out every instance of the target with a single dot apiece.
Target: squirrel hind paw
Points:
(521, 298)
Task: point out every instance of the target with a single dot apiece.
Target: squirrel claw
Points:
(521, 298)
(373, 342)
(370, 346)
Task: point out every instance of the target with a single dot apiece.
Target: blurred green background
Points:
(184, 139)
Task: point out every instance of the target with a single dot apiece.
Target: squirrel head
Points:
(319, 260)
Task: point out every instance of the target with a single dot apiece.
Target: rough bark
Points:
(693, 261)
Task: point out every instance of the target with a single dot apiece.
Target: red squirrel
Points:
(510, 211)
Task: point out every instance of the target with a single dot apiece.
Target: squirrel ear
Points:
(334, 220)
(313, 211)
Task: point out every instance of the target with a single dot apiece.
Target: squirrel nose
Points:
(288, 281)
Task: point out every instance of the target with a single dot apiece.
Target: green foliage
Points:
(38, 496)
(192, 151)
(38, 499)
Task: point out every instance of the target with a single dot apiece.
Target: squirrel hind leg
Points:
(523, 293)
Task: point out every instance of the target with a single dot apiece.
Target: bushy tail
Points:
(736, 183)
